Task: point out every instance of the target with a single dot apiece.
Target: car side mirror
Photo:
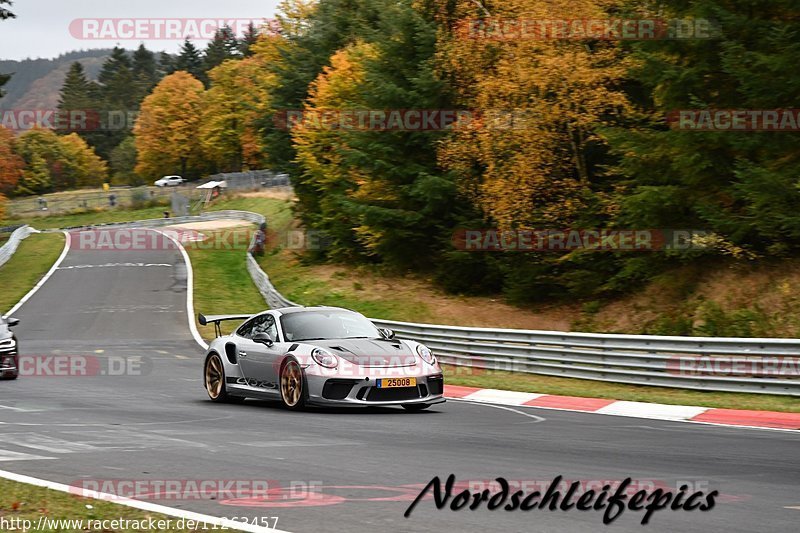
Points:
(387, 333)
(11, 322)
(263, 338)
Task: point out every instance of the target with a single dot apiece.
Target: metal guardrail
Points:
(274, 299)
(17, 236)
(701, 363)
(751, 365)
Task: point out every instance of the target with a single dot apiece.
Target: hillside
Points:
(36, 83)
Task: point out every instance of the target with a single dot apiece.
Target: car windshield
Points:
(324, 324)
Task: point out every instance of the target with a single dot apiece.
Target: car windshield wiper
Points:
(312, 339)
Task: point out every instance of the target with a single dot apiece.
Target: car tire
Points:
(292, 385)
(416, 407)
(214, 381)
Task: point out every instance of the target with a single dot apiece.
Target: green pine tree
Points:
(222, 47)
(740, 185)
(248, 40)
(189, 60)
(166, 64)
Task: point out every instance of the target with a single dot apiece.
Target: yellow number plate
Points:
(389, 383)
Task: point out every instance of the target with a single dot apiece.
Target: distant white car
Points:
(169, 181)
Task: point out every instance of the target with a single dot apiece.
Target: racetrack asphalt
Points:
(155, 423)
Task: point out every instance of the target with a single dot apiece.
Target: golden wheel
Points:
(292, 385)
(214, 378)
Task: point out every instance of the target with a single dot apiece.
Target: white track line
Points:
(189, 289)
(138, 504)
(504, 408)
(46, 276)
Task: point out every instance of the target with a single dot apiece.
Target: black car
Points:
(9, 352)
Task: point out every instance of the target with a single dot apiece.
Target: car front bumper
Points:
(365, 391)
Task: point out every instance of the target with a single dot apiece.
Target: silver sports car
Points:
(319, 355)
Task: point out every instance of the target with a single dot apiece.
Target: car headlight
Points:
(8, 344)
(426, 354)
(324, 358)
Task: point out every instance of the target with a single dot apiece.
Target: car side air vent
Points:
(230, 352)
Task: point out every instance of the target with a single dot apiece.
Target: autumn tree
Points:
(55, 163)
(40, 150)
(238, 96)
(532, 156)
(11, 164)
(80, 165)
(326, 181)
(167, 130)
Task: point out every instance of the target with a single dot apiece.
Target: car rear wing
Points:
(216, 319)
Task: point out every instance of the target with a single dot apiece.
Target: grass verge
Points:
(222, 285)
(495, 379)
(30, 262)
(20, 502)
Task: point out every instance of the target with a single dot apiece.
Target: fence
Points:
(71, 201)
(253, 179)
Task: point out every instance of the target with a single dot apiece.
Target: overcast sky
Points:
(47, 28)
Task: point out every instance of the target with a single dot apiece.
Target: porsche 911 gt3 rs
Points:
(318, 355)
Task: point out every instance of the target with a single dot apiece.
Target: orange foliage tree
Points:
(239, 96)
(322, 148)
(167, 130)
(540, 103)
(11, 164)
(56, 163)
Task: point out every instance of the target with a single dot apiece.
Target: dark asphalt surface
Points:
(370, 463)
